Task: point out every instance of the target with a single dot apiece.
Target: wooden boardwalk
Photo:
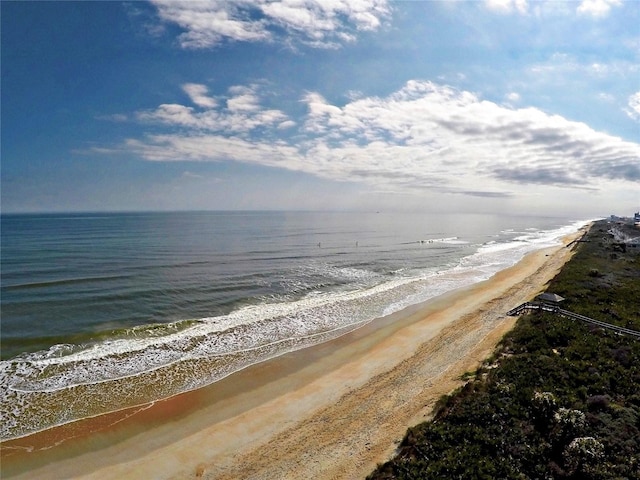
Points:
(520, 309)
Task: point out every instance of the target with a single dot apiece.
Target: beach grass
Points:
(559, 399)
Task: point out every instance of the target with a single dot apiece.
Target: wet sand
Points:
(330, 411)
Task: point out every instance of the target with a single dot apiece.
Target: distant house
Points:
(550, 298)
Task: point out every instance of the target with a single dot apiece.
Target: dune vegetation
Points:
(559, 398)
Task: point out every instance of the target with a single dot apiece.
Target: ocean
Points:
(106, 311)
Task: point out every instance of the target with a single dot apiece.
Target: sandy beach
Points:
(330, 411)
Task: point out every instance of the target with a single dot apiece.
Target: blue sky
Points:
(502, 105)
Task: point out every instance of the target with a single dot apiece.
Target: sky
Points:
(514, 106)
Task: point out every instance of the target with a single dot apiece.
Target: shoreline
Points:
(331, 410)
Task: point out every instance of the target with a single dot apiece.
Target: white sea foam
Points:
(449, 240)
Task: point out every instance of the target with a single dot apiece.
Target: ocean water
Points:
(105, 311)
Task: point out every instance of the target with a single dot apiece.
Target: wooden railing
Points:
(520, 309)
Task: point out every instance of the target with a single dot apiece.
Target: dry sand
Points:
(330, 411)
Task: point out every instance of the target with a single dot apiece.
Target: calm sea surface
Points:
(105, 311)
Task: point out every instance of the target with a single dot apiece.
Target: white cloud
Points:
(562, 66)
(591, 8)
(242, 114)
(286, 124)
(425, 136)
(198, 95)
(597, 8)
(606, 97)
(436, 127)
(172, 114)
(214, 148)
(508, 6)
(634, 106)
(244, 100)
(208, 23)
(541, 9)
(319, 23)
(513, 97)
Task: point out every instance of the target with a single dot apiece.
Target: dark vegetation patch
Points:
(564, 400)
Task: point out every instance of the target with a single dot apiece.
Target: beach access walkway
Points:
(542, 306)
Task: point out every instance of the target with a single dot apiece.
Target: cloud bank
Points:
(317, 23)
(423, 136)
